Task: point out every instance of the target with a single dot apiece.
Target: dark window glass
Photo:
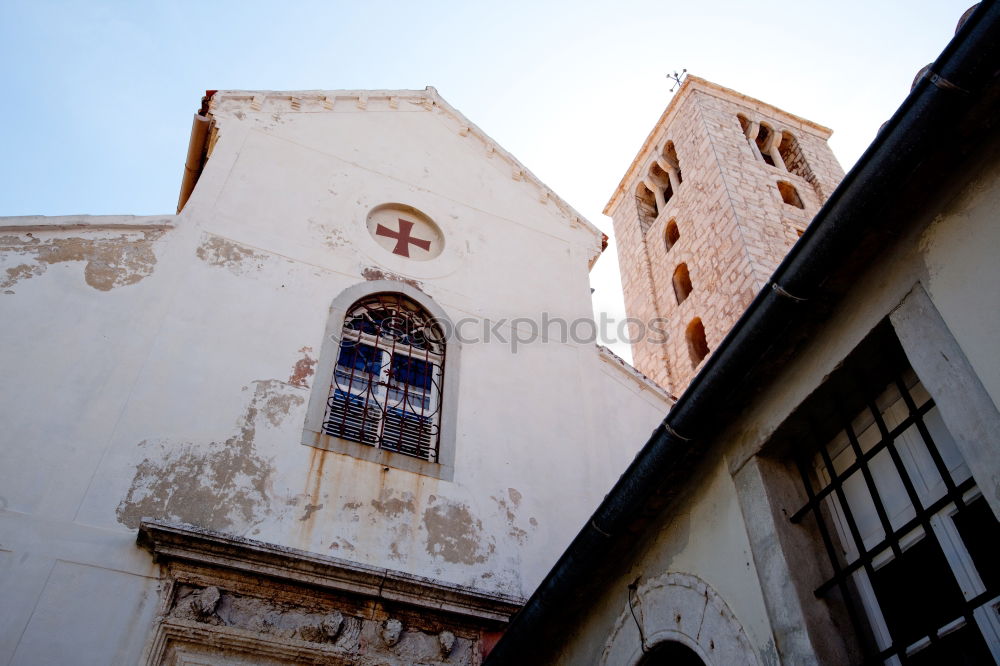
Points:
(360, 357)
(412, 371)
(914, 603)
(981, 535)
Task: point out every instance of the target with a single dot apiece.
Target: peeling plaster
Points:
(371, 273)
(513, 530)
(276, 404)
(455, 535)
(341, 543)
(303, 369)
(391, 507)
(111, 262)
(218, 485)
(235, 257)
(331, 236)
(18, 273)
(310, 509)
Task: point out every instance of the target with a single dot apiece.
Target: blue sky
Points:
(98, 96)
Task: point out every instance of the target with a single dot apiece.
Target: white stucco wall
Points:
(174, 385)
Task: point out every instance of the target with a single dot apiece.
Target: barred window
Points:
(914, 546)
(386, 385)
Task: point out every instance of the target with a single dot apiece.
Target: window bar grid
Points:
(421, 423)
(907, 527)
(942, 469)
(866, 473)
(865, 556)
(392, 358)
(347, 397)
(953, 495)
(871, 453)
(911, 491)
(396, 349)
(920, 515)
(831, 549)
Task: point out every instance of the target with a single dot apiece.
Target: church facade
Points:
(310, 418)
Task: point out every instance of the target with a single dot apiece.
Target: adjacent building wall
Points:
(728, 536)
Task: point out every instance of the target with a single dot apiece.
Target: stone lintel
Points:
(174, 541)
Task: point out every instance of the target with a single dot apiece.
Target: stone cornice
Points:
(24, 223)
(172, 541)
(645, 383)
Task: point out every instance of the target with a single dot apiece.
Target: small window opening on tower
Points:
(697, 344)
(670, 155)
(764, 138)
(662, 178)
(682, 283)
(789, 194)
(671, 235)
(744, 124)
(645, 202)
(795, 160)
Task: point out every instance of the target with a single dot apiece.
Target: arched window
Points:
(795, 161)
(645, 202)
(386, 386)
(670, 155)
(697, 344)
(662, 178)
(671, 235)
(765, 137)
(682, 283)
(744, 124)
(789, 194)
(793, 157)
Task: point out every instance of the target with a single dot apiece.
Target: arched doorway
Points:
(670, 653)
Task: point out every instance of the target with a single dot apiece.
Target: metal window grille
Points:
(914, 547)
(386, 386)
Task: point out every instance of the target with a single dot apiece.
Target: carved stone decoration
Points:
(331, 625)
(237, 601)
(447, 641)
(204, 602)
(326, 631)
(199, 605)
(392, 631)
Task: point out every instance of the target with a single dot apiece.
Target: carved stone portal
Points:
(233, 601)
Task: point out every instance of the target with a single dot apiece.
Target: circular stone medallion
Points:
(405, 231)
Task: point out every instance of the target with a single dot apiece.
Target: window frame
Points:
(314, 436)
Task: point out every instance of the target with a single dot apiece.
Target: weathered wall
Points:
(162, 369)
(734, 227)
(703, 537)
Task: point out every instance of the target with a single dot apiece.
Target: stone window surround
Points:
(313, 435)
(786, 555)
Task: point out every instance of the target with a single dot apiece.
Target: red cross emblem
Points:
(403, 238)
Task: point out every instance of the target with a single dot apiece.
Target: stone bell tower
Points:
(720, 190)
